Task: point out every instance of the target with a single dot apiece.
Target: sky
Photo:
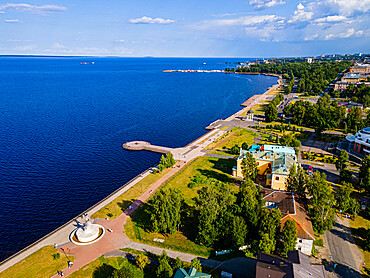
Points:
(201, 28)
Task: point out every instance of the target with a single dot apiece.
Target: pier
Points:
(145, 146)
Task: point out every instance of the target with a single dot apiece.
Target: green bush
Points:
(56, 256)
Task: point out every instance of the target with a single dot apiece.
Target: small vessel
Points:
(204, 63)
(93, 63)
(84, 63)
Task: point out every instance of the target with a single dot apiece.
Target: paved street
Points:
(343, 251)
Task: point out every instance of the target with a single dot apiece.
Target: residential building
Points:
(360, 68)
(297, 265)
(274, 163)
(292, 208)
(182, 273)
(354, 77)
(342, 85)
(360, 142)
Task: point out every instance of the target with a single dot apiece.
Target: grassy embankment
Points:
(39, 264)
(138, 228)
(121, 203)
(359, 228)
(236, 136)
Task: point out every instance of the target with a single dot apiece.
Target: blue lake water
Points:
(63, 124)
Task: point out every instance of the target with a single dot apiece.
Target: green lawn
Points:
(209, 168)
(331, 138)
(359, 228)
(325, 158)
(39, 264)
(236, 136)
(121, 203)
(103, 267)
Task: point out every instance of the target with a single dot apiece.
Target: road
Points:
(343, 250)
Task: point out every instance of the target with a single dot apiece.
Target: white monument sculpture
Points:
(87, 234)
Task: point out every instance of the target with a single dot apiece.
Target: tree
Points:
(250, 202)
(322, 199)
(245, 146)
(364, 174)
(342, 159)
(178, 263)
(266, 244)
(141, 261)
(165, 208)
(196, 264)
(297, 179)
(249, 167)
(127, 271)
(210, 203)
(269, 223)
(346, 175)
(235, 150)
(170, 161)
(238, 231)
(343, 197)
(289, 236)
(164, 269)
(270, 113)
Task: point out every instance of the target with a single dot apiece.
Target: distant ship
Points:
(204, 63)
(84, 63)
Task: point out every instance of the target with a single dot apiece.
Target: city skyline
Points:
(254, 28)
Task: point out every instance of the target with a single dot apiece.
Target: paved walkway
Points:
(343, 250)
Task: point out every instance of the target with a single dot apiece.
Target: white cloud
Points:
(331, 18)
(31, 8)
(310, 38)
(300, 14)
(25, 47)
(350, 32)
(348, 7)
(149, 20)
(263, 4)
(58, 45)
(241, 21)
(12, 21)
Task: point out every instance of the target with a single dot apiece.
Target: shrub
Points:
(110, 214)
(56, 256)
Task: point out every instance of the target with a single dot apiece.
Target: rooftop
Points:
(352, 75)
(291, 207)
(282, 157)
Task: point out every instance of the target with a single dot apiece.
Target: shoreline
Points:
(60, 235)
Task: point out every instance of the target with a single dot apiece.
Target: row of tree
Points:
(359, 93)
(225, 219)
(313, 77)
(166, 162)
(271, 109)
(325, 114)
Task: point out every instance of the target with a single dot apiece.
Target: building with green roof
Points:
(181, 273)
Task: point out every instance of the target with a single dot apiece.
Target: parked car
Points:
(310, 170)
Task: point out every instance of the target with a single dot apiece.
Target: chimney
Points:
(281, 264)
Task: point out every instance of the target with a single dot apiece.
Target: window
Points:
(276, 178)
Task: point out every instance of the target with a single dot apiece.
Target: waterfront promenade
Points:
(117, 239)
